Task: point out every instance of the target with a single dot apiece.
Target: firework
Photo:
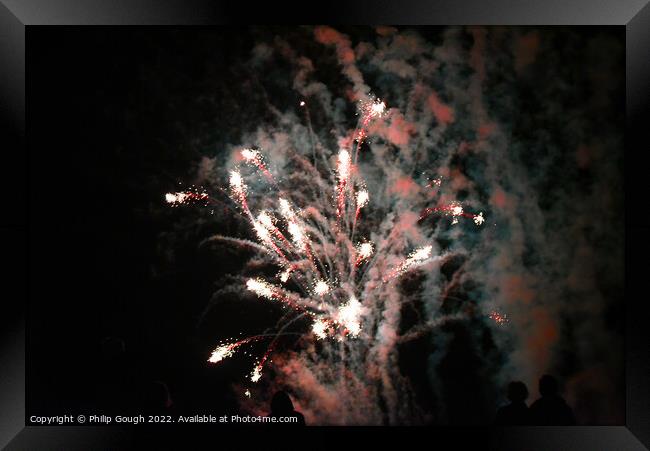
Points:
(256, 375)
(344, 172)
(319, 328)
(321, 288)
(417, 257)
(455, 210)
(222, 352)
(183, 197)
(254, 157)
(227, 349)
(499, 318)
(349, 316)
(311, 242)
(364, 251)
(362, 199)
(261, 288)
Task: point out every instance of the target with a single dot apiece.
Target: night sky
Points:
(522, 124)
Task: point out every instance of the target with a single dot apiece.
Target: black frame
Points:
(17, 15)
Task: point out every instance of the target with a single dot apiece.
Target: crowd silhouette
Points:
(549, 410)
(118, 391)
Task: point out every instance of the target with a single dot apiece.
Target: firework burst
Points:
(332, 286)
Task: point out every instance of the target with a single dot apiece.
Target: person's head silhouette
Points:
(548, 386)
(281, 404)
(517, 392)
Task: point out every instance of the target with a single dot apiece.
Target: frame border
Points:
(17, 15)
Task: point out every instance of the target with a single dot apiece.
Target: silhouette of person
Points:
(551, 408)
(516, 413)
(281, 406)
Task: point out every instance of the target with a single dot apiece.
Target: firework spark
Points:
(319, 328)
(499, 318)
(261, 288)
(415, 258)
(364, 251)
(321, 288)
(455, 210)
(183, 197)
(254, 157)
(222, 352)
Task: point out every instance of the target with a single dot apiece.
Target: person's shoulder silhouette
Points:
(551, 408)
(516, 413)
(281, 406)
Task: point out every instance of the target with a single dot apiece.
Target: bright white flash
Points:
(256, 374)
(284, 276)
(260, 287)
(421, 254)
(319, 328)
(377, 108)
(262, 233)
(220, 353)
(321, 288)
(297, 235)
(173, 198)
(349, 316)
(235, 180)
(479, 219)
(285, 209)
(250, 154)
(344, 164)
(265, 219)
(364, 251)
(362, 198)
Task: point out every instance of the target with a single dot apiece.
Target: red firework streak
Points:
(255, 157)
(453, 209)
